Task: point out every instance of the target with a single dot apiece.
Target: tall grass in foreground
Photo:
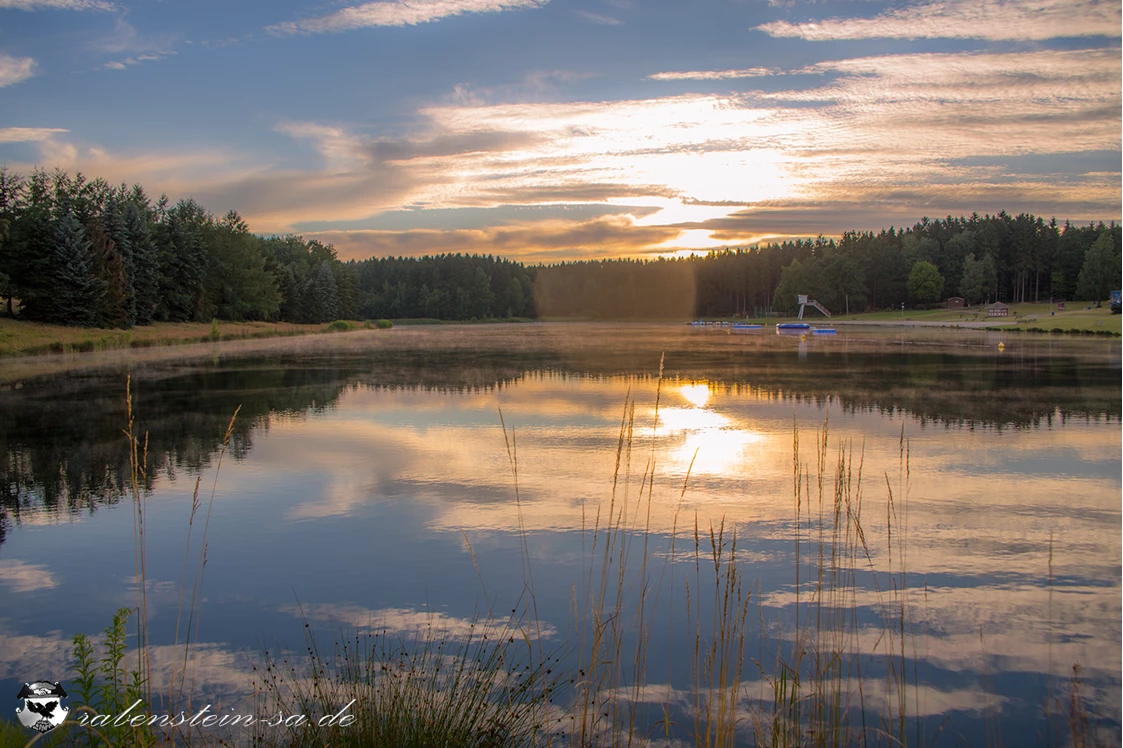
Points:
(617, 606)
(820, 695)
(105, 684)
(483, 690)
(813, 690)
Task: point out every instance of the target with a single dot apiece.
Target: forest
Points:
(76, 251)
(82, 252)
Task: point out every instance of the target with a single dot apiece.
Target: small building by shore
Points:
(998, 309)
(956, 302)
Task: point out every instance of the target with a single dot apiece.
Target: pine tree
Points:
(182, 250)
(146, 267)
(12, 194)
(76, 293)
(323, 296)
(109, 271)
(33, 261)
(239, 286)
(978, 279)
(113, 220)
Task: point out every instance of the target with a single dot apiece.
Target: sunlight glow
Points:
(697, 394)
(714, 452)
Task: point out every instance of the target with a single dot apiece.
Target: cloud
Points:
(58, 5)
(139, 48)
(28, 134)
(400, 13)
(870, 141)
(125, 63)
(600, 19)
(714, 75)
(883, 128)
(23, 577)
(967, 19)
(15, 69)
(340, 149)
(609, 236)
(876, 207)
(954, 105)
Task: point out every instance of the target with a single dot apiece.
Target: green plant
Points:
(383, 324)
(340, 326)
(215, 333)
(106, 685)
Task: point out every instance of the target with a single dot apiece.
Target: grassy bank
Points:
(22, 338)
(1077, 316)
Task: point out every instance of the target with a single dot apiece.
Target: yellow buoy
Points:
(803, 336)
(1001, 346)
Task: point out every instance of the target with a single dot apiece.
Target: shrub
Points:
(384, 324)
(340, 326)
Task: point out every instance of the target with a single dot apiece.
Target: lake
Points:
(422, 480)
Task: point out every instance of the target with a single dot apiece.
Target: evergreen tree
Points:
(978, 279)
(12, 193)
(76, 292)
(514, 297)
(323, 296)
(115, 225)
(238, 285)
(146, 263)
(32, 267)
(108, 273)
(480, 294)
(346, 284)
(182, 249)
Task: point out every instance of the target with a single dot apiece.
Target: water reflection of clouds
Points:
(983, 506)
(424, 625)
(215, 669)
(997, 627)
(19, 576)
(743, 462)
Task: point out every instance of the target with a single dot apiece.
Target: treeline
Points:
(80, 252)
(451, 287)
(75, 251)
(741, 281)
(982, 259)
(1014, 259)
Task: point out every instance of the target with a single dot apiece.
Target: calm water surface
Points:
(365, 471)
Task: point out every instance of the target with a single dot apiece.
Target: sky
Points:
(554, 130)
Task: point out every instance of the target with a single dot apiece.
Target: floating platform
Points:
(793, 326)
(823, 331)
(741, 326)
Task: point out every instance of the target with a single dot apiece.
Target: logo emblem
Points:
(42, 708)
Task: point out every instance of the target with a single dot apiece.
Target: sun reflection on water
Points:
(703, 440)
